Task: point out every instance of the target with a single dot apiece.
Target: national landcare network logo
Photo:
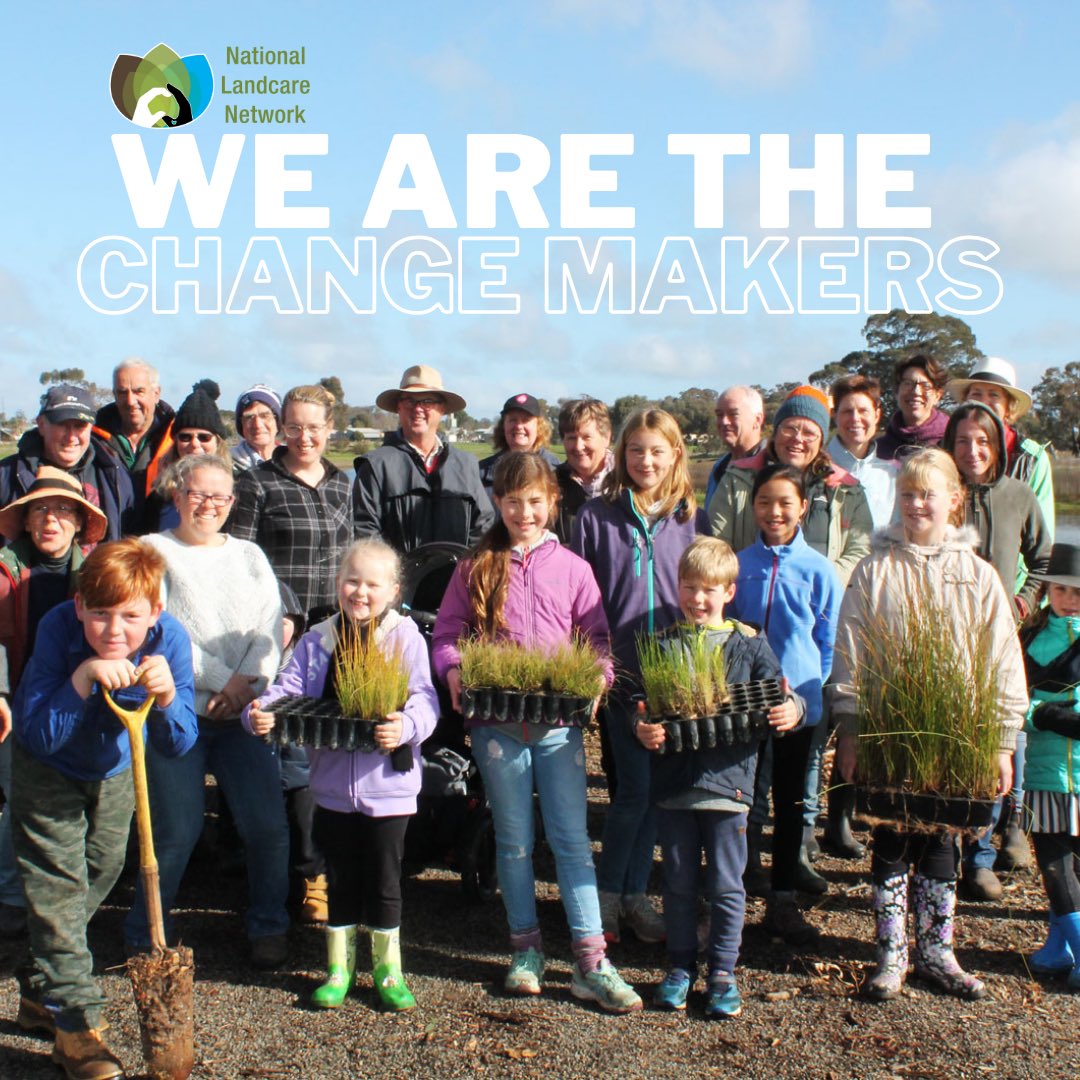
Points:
(162, 89)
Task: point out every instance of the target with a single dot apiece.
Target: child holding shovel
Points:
(71, 792)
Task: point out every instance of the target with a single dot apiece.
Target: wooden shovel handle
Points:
(134, 721)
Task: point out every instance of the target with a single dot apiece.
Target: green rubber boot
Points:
(340, 966)
(386, 971)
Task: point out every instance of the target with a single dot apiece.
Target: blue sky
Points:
(987, 81)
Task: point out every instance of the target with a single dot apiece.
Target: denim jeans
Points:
(684, 835)
(626, 855)
(11, 890)
(555, 763)
(249, 775)
(811, 797)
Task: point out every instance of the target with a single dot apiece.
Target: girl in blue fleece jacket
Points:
(792, 593)
(633, 536)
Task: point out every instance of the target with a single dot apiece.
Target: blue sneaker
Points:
(723, 1001)
(672, 992)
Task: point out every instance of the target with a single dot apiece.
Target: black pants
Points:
(363, 866)
(790, 754)
(933, 855)
(305, 858)
(1057, 855)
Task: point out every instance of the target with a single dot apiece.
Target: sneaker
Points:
(269, 952)
(723, 1001)
(606, 988)
(641, 916)
(783, 919)
(526, 971)
(672, 992)
(610, 912)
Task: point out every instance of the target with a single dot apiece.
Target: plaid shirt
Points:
(303, 530)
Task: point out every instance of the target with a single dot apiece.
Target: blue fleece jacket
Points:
(84, 739)
(793, 594)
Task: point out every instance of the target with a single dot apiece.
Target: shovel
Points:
(162, 980)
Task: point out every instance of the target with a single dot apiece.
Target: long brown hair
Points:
(488, 571)
(676, 494)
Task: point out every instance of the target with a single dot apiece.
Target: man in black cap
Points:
(65, 439)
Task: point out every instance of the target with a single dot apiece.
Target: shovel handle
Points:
(134, 721)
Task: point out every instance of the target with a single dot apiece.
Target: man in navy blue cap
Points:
(64, 437)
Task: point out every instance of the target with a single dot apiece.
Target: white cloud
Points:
(451, 71)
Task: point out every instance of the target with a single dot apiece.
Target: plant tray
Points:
(317, 723)
(924, 812)
(745, 720)
(483, 705)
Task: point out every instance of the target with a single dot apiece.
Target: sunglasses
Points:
(203, 437)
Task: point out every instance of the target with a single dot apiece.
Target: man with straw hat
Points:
(44, 530)
(416, 488)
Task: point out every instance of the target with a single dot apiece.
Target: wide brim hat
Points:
(995, 372)
(49, 483)
(1064, 567)
(420, 379)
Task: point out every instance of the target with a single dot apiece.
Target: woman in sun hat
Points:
(45, 528)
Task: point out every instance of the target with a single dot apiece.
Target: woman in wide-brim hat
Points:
(993, 382)
(37, 572)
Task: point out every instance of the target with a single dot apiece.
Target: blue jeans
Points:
(249, 775)
(626, 855)
(555, 764)
(721, 834)
(811, 798)
(11, 890)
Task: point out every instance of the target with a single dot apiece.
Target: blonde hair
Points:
(916, 475)
(708, 560)
(309, 395)
(676, 493)
(170, 476)
(375, 547)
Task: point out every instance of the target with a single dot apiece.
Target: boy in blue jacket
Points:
(71, 794)
(703, 796)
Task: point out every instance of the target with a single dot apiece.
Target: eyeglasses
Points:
(197, 498)
(916, 384)
(263, 416)
(203, 437)
(40, 509)
(807, 434)
(421, 403)
(294, 431)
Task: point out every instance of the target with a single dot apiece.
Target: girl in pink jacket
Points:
(522, 584)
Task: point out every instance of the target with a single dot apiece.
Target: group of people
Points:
(145, 555)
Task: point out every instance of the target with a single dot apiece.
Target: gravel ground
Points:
(802, 1015)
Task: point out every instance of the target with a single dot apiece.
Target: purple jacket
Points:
(898, 440)
(637, 568)
(552, 593)
(355, 781)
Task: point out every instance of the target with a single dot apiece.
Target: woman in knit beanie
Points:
(258, 423)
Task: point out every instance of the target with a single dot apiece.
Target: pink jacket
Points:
(552, 594)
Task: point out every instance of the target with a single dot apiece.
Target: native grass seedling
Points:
(682, 674)
(370, 683)
(572, 669)
(929, 717)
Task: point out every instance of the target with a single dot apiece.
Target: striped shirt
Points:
(303, 530)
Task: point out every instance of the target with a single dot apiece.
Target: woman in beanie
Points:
(837, 524)
(258, 423)
(197, 429)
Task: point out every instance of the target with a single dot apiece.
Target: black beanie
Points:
(199, 411)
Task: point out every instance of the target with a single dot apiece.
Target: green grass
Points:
(370, 684)
(572, 668)
(682, 675)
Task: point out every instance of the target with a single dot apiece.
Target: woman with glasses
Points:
(224, 593)
(258, 423)
(197, 429)
(297, 506)
(917, 422)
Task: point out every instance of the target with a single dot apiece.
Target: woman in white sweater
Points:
(225, 594)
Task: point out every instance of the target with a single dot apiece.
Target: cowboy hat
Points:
(420, 379)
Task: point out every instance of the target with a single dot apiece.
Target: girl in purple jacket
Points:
(522, 584)
(633, 537)
(363, 800)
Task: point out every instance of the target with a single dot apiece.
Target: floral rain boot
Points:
(934, 903)
(340, 968)
(386, 971)
(890, 900)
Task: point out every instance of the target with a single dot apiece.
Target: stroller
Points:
(453, 822)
